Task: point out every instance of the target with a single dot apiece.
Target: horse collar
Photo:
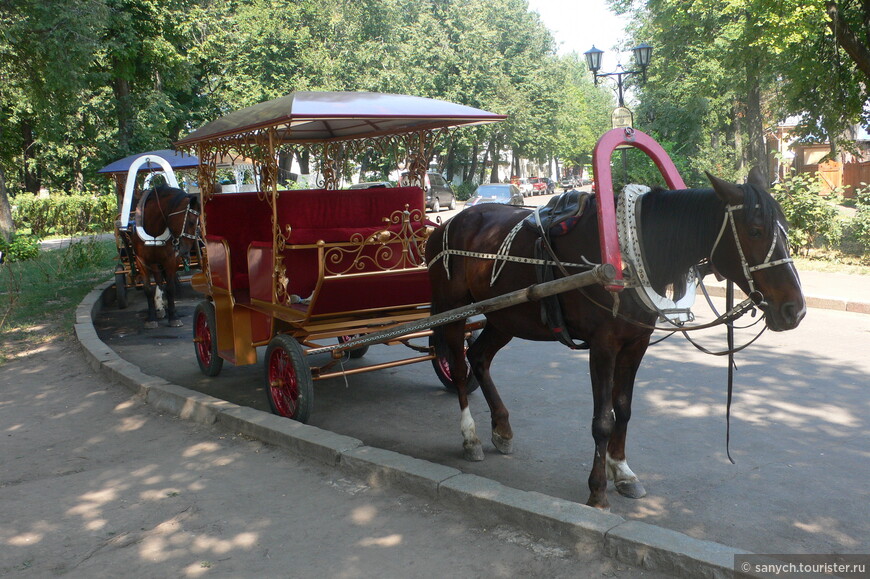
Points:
(146, 237)
(628, 217)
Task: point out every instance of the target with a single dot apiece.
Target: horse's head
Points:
(752, 251)
(190, 229)
(182, 217)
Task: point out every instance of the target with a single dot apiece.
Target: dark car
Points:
(439, 193)
(551, 185)
(506, 193)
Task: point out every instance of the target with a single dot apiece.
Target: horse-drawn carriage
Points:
(318, 275)
(132, 175)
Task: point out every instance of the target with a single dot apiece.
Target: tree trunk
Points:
(123, 111)
(857, 49)
(304, 159)
(483, 164)
(32, 182)
(494, 147)
(472, 168)
(755, 128)
(7, 228)
(738, 137)
(285, 164)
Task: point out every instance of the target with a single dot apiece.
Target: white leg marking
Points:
(466, 425)
(159, 303)
(617, 470)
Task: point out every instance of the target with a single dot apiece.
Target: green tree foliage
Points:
(726, 71)
(85, 82)
(812, 218)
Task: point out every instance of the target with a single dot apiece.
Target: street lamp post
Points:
(642, 55)
(622, 115)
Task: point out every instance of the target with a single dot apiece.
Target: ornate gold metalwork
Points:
(384, 250)
(281, 280)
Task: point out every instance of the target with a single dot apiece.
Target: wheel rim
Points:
(203, 339)
(283, 386)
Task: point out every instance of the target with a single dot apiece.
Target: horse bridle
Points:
(188, 211)
(748, 270)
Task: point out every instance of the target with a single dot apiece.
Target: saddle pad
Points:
(560, 214)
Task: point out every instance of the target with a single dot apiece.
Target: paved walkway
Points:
(833, 291)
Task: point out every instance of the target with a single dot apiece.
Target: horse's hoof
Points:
(474, 453)
(631, 489)
(175, 323)
(604, 508)
(150, 325)
(503, 445)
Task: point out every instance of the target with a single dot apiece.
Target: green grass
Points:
(38, 296)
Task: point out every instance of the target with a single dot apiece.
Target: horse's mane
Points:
(679, 229)
(175, 195)
(171, 196)
(675, 227)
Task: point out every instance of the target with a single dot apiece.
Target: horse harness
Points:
(160, 240)
(556, 218)
(564, 211)
(744, 264)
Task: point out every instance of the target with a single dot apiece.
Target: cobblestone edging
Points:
(577, 527)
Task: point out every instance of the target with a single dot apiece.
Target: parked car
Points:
(439, 193)
(523, 184)
(371, 185)
(539, 186)
(567, 183)
(551, 185)
(506, 193)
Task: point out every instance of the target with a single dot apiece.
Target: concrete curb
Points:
(577, 527)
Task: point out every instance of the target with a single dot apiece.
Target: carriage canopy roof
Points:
(311, 117)
(177, 160)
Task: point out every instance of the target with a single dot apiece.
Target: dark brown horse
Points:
(680, 229)
(167, 227)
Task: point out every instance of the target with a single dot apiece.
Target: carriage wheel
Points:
(121, 289)
(442, 368)
(289, 385)
(356, 352)
(205, 339)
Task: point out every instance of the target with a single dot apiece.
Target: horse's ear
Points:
(756, 178)
(727, 192)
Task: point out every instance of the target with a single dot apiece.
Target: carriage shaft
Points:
(600, 274)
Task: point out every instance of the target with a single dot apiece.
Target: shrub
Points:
(813, 218)
(20, 248)
(64, 214)
(859, 225)
(464, 191)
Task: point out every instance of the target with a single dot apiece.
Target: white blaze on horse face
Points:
(617, 470)
(466, 425)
